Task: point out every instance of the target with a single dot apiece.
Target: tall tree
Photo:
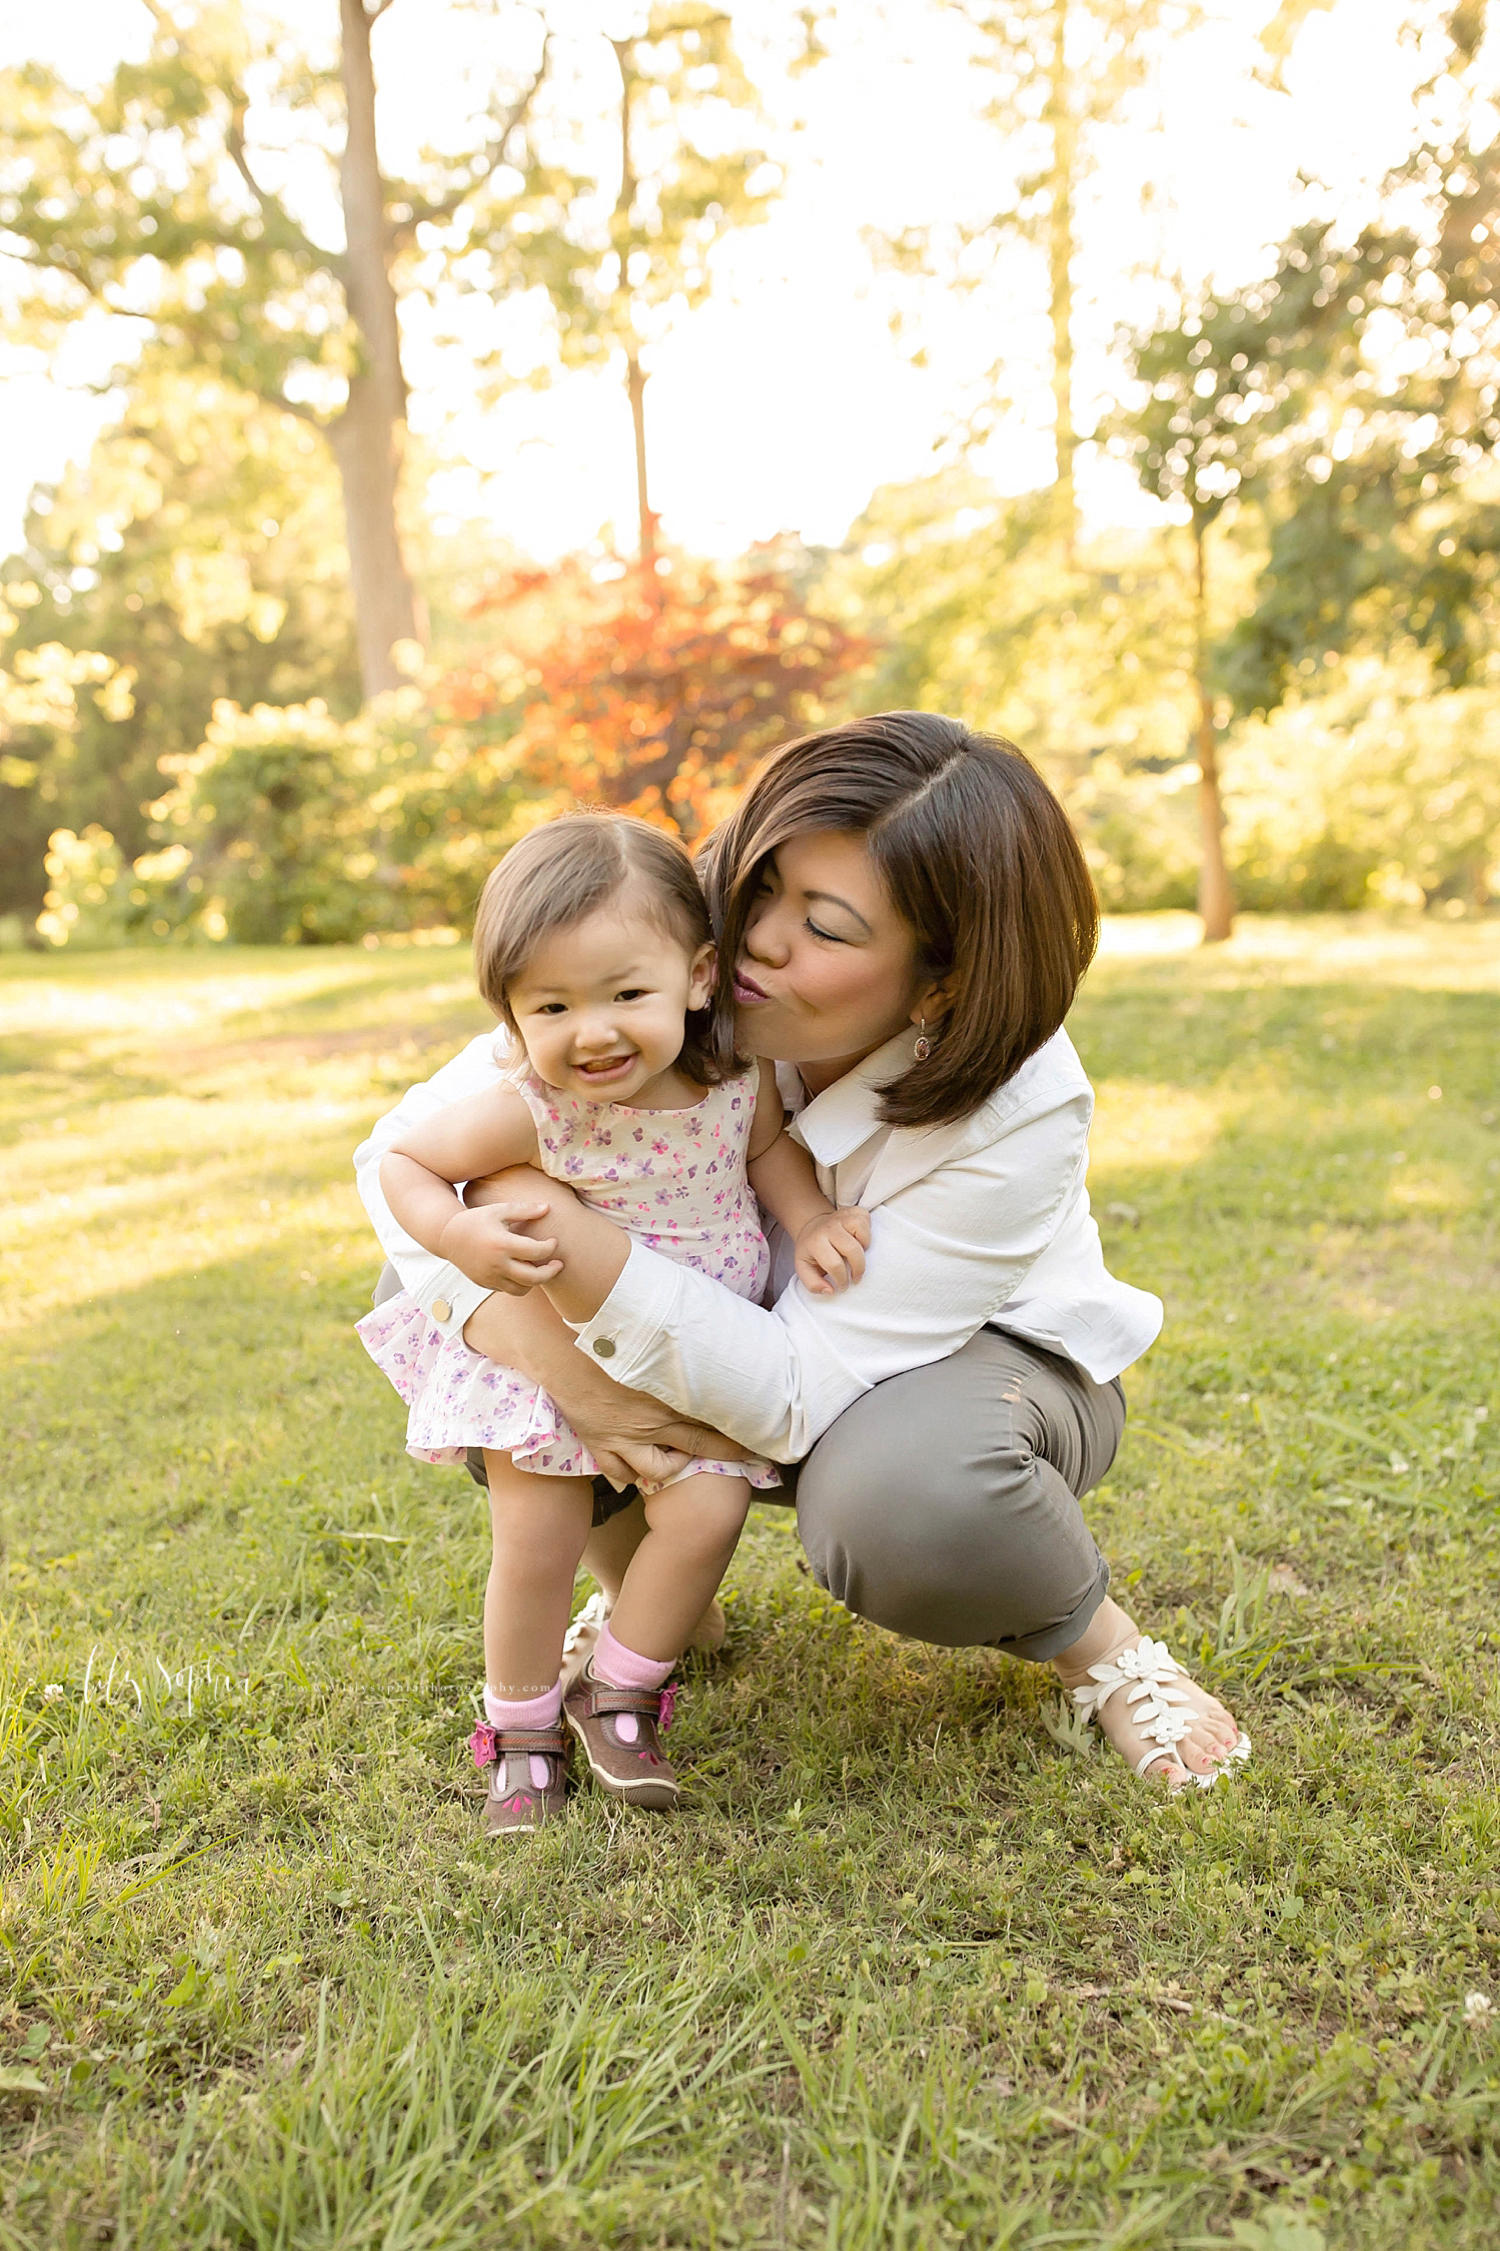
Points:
(156, 198)
(1057, 73)
(1197, 435)
(1347, 399)
(619, 272)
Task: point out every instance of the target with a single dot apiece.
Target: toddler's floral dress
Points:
(675, 1181)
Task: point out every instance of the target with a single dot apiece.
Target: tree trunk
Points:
(1060, 117)
(1215, 896)
(364, 445)
(635, 384)
(635, 377)
(367, 437)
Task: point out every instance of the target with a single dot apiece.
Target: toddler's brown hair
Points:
(559, 874)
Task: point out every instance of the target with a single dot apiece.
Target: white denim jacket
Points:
(982, 1222)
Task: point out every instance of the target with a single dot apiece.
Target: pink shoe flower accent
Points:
(485, 1745)
(668, 1705)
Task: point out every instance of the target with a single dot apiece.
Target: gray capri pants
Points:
(944, 1503)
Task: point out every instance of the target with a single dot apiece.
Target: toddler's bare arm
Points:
(420, 1174)
(830, 1244)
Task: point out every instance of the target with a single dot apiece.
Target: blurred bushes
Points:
(196, 555)
(1384, 793)
(292, 820)
(1374, 784)
(290, 825)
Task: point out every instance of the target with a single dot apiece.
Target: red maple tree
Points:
(654, 691)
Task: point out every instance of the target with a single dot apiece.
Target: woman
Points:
(907, 915)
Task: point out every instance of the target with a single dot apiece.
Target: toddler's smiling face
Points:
(600, 1007)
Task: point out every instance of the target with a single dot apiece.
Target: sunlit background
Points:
(1120, 375)
(783, 403)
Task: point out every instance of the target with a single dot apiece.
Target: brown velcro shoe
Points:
(515, 1805)
(640, 1771)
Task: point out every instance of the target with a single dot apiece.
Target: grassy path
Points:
(910, 1972)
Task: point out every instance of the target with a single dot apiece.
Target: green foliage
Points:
(904, 1972)
(274, 833)
(1349, 399)
(86, 886)
(196, 555)
(49, 694)
(1382, 792)
(292, 826)
(981, 613)
(1381, 787)
(146, 197)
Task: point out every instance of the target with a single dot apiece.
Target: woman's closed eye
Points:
(831, 936)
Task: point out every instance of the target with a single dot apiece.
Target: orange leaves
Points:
(655, 691)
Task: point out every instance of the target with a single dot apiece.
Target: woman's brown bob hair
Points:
(566, 870)
(978, 860)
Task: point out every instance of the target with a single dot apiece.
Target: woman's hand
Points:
(629, 1434)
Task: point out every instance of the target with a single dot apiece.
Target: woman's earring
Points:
(923, 1047)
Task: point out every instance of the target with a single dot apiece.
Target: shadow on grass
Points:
(996, 1993)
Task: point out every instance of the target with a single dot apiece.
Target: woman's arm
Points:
(628, 1433)
(946, 1254)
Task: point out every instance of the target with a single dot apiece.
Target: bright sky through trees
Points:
(784, 402)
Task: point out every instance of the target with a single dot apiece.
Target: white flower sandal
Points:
(1162, 1711)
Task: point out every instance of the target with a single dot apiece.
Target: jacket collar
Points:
(836, 1122)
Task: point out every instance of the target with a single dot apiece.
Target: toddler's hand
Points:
(830, 1250)
(485, 1244)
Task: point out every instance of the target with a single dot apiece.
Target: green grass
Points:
(908, 1971)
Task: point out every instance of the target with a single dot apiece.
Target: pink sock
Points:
(538, 1711)
(624, 1668)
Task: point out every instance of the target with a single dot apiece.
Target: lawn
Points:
(908, 1970)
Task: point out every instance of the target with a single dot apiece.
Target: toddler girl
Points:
(593, 945)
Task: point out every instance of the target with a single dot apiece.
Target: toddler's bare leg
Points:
(611, 1547)
(674, 1573)
(538, 1529)
(607, 1559)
